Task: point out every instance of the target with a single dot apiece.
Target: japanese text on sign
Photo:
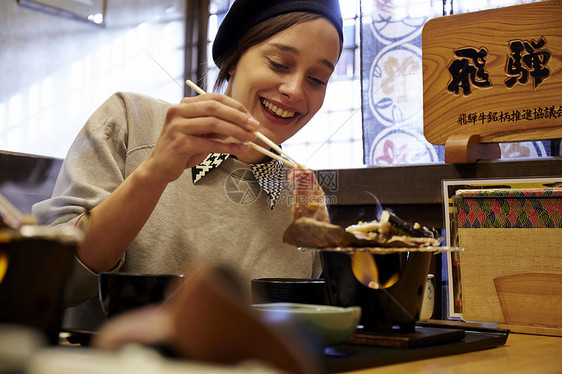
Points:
(510, 116)
(525, 59)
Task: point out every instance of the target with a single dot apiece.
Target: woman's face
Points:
(282, 81)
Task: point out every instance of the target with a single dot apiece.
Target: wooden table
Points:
(521, 354)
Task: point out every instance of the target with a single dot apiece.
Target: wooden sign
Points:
(494, 74)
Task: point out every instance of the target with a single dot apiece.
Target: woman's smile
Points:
(277, 112)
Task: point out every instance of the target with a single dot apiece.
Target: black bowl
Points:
(34, 269)
(394, 308)
(120, 292)
(292, 290)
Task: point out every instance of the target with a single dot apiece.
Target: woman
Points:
(166, 184)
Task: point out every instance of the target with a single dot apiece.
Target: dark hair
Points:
(257, 34)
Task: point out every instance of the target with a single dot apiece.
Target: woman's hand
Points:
(197, 126)
(193, 128)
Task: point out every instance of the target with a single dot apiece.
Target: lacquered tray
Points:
(345, 357)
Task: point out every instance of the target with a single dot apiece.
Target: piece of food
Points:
(308, 232)
(309, 199)
(387, 233)
(390, 224)
(311, 223)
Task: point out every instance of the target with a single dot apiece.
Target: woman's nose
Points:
(293, 87)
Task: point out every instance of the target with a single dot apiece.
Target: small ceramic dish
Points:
(333, 324)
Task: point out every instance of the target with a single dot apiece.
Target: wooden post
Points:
(464, 149)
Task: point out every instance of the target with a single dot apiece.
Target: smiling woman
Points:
(92, 11)
(333, 137)
(158, 178)
(285, 75)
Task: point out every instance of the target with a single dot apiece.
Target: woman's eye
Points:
(318, 82)
(277, 65)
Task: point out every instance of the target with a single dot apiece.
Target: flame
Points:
(366, 271)
(3, 265)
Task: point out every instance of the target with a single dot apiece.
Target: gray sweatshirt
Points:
(225, 217)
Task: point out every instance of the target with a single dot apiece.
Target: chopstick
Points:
(287, 160)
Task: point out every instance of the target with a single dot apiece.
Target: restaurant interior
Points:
(481, 169)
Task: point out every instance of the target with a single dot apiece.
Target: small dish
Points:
(333, 324)
(120, 292)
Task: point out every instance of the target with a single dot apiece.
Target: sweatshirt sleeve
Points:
(92, 169)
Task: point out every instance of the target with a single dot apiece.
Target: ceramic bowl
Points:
(120, 292)
(333, 324)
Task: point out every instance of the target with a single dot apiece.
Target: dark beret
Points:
(244, 14)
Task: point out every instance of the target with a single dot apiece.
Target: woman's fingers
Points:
(211, 127)
(214, 101)
(212, 116)
(208, 145)
(220, 107)
(215, 104)
(209, 123)
(174, 152)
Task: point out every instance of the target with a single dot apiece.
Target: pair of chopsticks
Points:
(287, 160)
